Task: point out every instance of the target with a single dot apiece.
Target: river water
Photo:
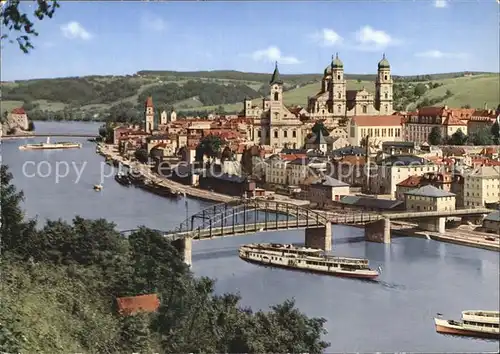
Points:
(419, 277)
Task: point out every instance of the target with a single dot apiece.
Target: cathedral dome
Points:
(337, 63)
(384, 63)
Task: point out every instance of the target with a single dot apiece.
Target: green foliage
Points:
(458, 138)
(14, 232)
(209, 146)
(420, 89)
(495, 131)
(15, 20)
(318, 128)
(206, 92)
(61, 298)
(141, 155)
(435, 137)
(481, 137)
(74, 91)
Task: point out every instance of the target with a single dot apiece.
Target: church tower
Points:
(339, 87)
(383, 88)
(149, 116)
(276, 104)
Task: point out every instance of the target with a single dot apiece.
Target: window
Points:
(340, 94)
(285, 133)
(276, 96)
(385, 77)
(365, 109)
(294, 134)
(258, 133)
(338, 77)
(386, 108)
(275, 133)
(386, 95)
(339, 108)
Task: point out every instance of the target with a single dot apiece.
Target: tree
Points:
(319, 127)
(31, 126)
(435, 137)
(458, 138)
(420, 90)
(466, 106)
(15, 20)
(495, 131)
(141, 155)
(15, 234)
(481, 137)
(209, 146)
(448, 93)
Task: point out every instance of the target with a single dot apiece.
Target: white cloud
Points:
(74, 30)
(440, 4)
(327, 37)
(272, 54)
(437, 54)
(153, 23)
(369, 38)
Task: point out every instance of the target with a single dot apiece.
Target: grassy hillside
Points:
(192, 92)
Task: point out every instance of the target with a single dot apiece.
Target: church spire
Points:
(276, 78)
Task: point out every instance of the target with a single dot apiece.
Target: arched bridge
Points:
(243, 217)
(250, 216)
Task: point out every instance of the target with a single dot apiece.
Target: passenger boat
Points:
(97, 187)
(49, 145)
(482, 324)
(307, 259)
(123, 179)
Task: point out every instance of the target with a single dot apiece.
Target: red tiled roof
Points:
(412, 181)
(149, 102)
(377, 121)
(431, 111)
(19, 110)
(453, 120)
(141, 303)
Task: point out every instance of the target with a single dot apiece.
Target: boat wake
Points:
(387, 285)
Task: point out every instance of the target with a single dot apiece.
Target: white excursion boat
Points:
(473, 324)
(307, 259)
(49, 145)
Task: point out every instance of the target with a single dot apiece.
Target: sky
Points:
(123, 37)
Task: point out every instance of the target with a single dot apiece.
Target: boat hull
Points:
(443, 327)
(336, 273)
(28, 147)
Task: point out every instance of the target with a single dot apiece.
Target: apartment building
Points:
(300, 169)
(429, 198)
(482, 185)
(386, 174)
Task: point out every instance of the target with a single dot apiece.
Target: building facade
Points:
(335, 102)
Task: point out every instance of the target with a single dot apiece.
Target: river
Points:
(419, 277)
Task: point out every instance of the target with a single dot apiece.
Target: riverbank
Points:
(109, 152)
(455, 236)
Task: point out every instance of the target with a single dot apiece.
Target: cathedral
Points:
(278, 126)
(335, 101)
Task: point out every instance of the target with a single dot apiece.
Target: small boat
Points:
(123, 179)
(306, 259)
(97, 187)
(482, 324)
(48, 145)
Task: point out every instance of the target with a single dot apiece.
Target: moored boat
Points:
(97, 187)
(482, 324)
(48, 145)
(306, 259)
(123, 179)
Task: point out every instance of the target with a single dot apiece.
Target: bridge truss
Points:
(239, 214)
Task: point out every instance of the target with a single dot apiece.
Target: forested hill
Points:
(201, 92)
